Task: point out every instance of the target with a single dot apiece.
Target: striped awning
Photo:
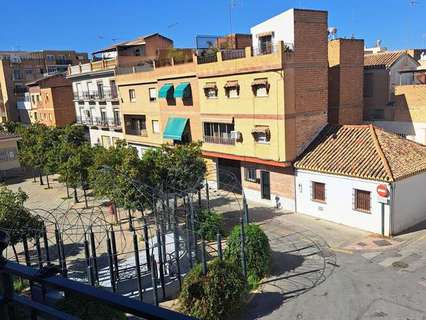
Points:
(165, 91)
(210, 85)
(260, 129)
(175, 128)
(231, 84)
(180, 90)
(258, 82)
(265, 34)
(217, 120)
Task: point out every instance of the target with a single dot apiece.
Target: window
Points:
(218, 133)
(368, 85)
(132, 95)
(100, 85)
(261, 134)
(17, 74)
(260, 87)
(7, 154)
(232, 89)
(33, 99)
(50, 57)
(318, 191)
(51, 69)
(113, 86)
(105, 141)
(152, 94)
(210, 90)
(114, 140)
(155, 126)
(103, 116)
(250, 174)
(377, 114)
(362, 200)
(116, 113)
(232, 92)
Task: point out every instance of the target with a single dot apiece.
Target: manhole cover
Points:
(400, 265)
(382, 243)
(361, 244)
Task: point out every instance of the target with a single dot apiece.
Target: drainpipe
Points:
(391, 209)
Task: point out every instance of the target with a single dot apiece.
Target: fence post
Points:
(94, 258)
(114, 252)
(26, 252)
(243, 255)
(39, 257)
(160, 261)
(193, 232)
(207, 196)
(245, 210)
(203, 255)
(177, 257)
(58, 248)
(90, 277)
(137, 263)
(64, 258)
(146, 240)
(111, 264)
(7, 284)
(154, 279)
(46, 245)
(219, 246)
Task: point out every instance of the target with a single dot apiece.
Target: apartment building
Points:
(51, 100)
(382, 72)
(17, 68)
(96, 99)
(255, 109)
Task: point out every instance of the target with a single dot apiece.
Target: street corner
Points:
(372, 242)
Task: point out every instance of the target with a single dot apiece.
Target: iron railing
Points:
(137, 132)
(102, 122)
(233, 54)
(105, 94)
(47, 279)
(219, 139)
(208, 58)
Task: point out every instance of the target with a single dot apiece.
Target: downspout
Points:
(391, 204)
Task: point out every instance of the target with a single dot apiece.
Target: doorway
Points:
(265, 184)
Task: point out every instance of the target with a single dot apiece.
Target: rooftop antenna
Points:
(332, 32)
(232, 4)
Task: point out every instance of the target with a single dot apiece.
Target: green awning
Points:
(174, 128)
(180, 89)
(165, 91)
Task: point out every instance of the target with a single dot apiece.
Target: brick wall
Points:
(345, 80)
(306, 81)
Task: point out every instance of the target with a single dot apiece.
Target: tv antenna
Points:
(232, 5)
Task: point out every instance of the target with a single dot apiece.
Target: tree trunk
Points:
(75, 196)
(47, 179)
(68, 188)
(34, 176)
(15, 253)
(41, 178)
(85, 198)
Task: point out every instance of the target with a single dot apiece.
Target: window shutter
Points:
(353, 199)
(312, 190)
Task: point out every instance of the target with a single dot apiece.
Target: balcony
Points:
(63, 61)
(101, 65)
(208, 58)
(233, 54)
(99, 122)
(137, 132)
(219, 139)
(107, 94)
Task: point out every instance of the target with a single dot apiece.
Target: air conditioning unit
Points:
(236, 135)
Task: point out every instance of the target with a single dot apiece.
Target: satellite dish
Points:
(332, 32)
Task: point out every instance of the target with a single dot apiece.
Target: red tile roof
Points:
(363, 151)
(382, 59)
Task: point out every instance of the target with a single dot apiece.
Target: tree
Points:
(74, 169)
(17, 219)
(216, 295)
(116, 174)
(174, 168)
(257, 251)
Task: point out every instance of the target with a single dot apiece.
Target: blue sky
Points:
(87, 25)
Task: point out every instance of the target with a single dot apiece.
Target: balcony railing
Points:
(63, 61)
(219, 140)
(233, 54)
(209, 58)
(137, 132)
(269, 48)
(106, 122)
(10, 301)
(105, 94)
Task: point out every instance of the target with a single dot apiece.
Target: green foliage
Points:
(209, 224)
(216, 295)
(257, 251)
(15, 218)
(113, 175)
(174, 168)
(87, 309)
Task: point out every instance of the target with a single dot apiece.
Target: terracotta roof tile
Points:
(363, 151)
(382, 59)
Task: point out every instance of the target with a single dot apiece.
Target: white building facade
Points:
(97, 104)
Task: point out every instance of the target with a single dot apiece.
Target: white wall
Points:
(140, 148)
(96, 136)
(282, 25)
(415, 131)
(410, 203)
(339, 201)
(286, 204)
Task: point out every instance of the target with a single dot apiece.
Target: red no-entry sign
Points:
(382, 190)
